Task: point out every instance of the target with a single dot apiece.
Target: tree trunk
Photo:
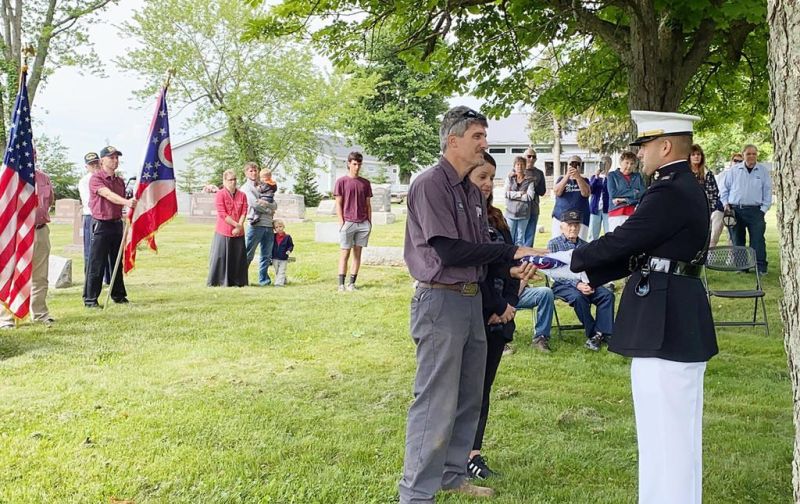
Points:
(556, 149)
(784, 60)
(244, 139)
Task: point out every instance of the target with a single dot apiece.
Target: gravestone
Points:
(59, 273)
(381, 198)
(326, 232)
(65, 211)
(291, 207)
(327, 207)
(383, 256)
(381, 218)
(202, 208)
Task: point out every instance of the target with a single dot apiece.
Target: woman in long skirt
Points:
(228, 264)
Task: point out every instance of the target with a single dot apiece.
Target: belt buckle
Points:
(469, 289)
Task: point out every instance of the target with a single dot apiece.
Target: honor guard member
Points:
(446, 251)
(106, 200)
(664, 319)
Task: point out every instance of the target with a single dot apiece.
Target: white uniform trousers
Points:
(668, 403)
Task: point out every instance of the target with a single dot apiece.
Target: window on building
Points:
(497, 150)
(518, 150)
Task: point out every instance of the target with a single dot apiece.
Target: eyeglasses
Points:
(737, 160)
(531, 157)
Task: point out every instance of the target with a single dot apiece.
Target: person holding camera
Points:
(106, 201)
(572, 193)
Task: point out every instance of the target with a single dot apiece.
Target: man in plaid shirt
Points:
(581, 295)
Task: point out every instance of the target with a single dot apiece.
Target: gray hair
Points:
(749, 146)
(457, 121)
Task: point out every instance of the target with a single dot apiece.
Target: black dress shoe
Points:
(122, 301)
(93, 305)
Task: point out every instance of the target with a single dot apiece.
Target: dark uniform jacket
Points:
(673, 321)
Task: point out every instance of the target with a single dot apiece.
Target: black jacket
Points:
(673, 321)
(499, 290)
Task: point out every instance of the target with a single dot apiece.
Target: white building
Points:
(510, 137)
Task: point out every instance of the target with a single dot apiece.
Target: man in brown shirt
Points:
(106, 200)
(446, 250)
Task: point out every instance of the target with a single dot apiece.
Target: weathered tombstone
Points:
(381, 218)
(383, 256)
(65, 211)
(59, 274)
(291, 207)
(381, 198)
(202, 208)
(326, 232)
(327, 207)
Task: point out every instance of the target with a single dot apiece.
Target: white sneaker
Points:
(341, 288)
(351, 287)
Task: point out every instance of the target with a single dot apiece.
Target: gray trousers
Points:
(447, 329)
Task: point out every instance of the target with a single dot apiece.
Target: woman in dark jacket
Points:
(500, 295)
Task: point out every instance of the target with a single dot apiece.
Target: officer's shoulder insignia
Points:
(658, 177)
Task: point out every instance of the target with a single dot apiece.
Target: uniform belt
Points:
(673, 267)
(465, 288)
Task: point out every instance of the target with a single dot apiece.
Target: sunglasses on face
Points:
(531, 157)
(737, 160)
(574, 164)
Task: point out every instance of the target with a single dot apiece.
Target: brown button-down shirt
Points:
(44, 193)
(102, 208)
(442, 204)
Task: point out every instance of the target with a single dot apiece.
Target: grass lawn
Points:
(299, 394)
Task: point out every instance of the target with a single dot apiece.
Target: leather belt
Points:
(465, 288)
(746, 206)
(673, 267)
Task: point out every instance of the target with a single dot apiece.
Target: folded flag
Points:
(556, 266)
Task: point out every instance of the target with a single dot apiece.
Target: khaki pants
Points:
(41, 266)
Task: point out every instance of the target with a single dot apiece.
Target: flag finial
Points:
(27, 52)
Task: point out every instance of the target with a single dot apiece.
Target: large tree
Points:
(272, 100)
(613, 55)
(399, 122)
(56, 30)
(784, 62)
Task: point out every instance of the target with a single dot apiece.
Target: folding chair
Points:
(559, 327)
(732, 259)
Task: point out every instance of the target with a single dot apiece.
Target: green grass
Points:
(299, 395)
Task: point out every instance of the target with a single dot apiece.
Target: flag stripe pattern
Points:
(155, 190)
(17, 209)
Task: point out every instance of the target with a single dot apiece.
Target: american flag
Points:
(17, 209)
(155, 190)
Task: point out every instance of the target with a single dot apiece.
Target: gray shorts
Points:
(354, 234)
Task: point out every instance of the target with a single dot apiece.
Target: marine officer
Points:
(664, 319)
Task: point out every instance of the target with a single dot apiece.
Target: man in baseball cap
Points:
(109, 150)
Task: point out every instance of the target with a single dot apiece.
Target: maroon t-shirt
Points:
(354, 192)
(101, 208)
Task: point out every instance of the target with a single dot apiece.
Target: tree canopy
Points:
(271, 99)
(702, 56)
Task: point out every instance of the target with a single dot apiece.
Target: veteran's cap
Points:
(571, 216)
(109, 150)
(651, 125)
(91, 157)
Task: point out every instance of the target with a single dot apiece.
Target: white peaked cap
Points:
(651, 125)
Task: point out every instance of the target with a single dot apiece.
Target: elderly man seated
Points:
(580, 295)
